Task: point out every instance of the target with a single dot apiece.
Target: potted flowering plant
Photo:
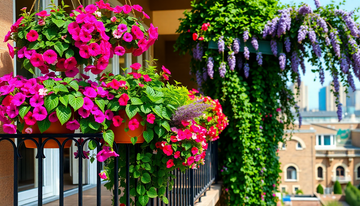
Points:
(62, 42)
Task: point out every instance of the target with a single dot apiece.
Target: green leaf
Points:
(134, 140)
(51, 102)
(20, 126)
(140, 189)
(84, 126)
(101, 103)
(131, 110)
(145, 108)
(50, 33)
(146, 159)
(109, 137)
(92, 145)
(165, 200)
(166, 125)
(136, 101)
(94, 125)
(44, 125)
(49, 83)
(145, 178)
(148, 135)
(136, 174)
(76, 103)
(23, 110)
(61, 47)
(63, 113)
(161, 191)
(143, 200)
(152, 192)
(157, 110)
(147, 166)
(28, 66)
(159, 131)
(186, 145)
(161, 173)
(64, 100)
(69, 53)
(59, 23)
(34, 45)
(74, 85)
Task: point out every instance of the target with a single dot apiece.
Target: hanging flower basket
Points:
(123, 135)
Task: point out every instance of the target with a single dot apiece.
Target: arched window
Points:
(340, 171)
(320, 172)
(291, 173)
(298, 146)
(358, 172)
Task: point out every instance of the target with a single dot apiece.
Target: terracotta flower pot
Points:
(129, 50)
(60, 70)
(55, 128)
(123, 137)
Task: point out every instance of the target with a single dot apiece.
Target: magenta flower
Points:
(32, 36)
(133, 124)
(137, 7)
(170, 163)
(28, 130)
(36, 101)
(146, 78)
(42, 14)
(137, 32)
(84, 51)
(126, 9)
(109, 114)
(197, 158)
(117, 34)
(11, 50)
(100, 26)
(190, 160)
(119, 50)
(177, 154)
(50, 56)
(99, 116)
(73, 125)
(90, 9)
(128, 37)
(40, 113)
(94, 49)
(102, 63)
(29, 119)
(122, 28)
(123, 100)
(18, 99)
(113, 19)
(36, 60)
(105, 153)
(69, 63)
(135, 66)
(104, 36)
(194, 150)
(28, 53)
(150, 118)
(72, 72)
(102, 175)
(118, 9)
(53, 117)
(12, 111)
(7, 36)
(117, 120)
(143, 43)
(90, 92)
(21, 52)
(145, 15)
(85, 36)
(9, 128)
(84, 113)
(88, 103)
(73, 28)
(80, 18)
(89, 28)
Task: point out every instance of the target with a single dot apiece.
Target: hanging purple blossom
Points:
(266, 30)
(246, 35)
(195, 55)
(335, 42)
(274, 26)
(189, 112)
(356, 57)
(336, 82)
(339, 111)
(287, 44)
(305, 9)
(274, 48)
(321, 23)
(259, 58)
(312, 35)
(232, 61)
(199, 79)
(303, 31)
(321, 75)
(221, 44)
(246, 53)
(255, 43)
(302, 64)
(246, 70)
(239, 62)
(295, 62)
(222, 69)
(236, 45)
(350, 23)
(327, 41)
(210, 67)
(205, 74)
(317, 49)
(351, 81)
(198, 52)
(317, 4)
(344, 65)
(284, 22)
(282, 61)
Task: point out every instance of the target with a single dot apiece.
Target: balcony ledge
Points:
(212, 196)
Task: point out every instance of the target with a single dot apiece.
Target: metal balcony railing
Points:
(188, 187)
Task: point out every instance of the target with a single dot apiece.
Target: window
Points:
(296, 189)
(298, 146)
(291, 173)
(325, 140)
(320, 172)
(340, 171)
(283, 189)
(283, 146)
(358, 172)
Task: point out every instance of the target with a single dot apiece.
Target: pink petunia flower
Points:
(190, 160)
(36, 60)
(170, 163)
(32, 36)
(105, 153)
(194, 150)
(7, 36)
(136, 75)
(197, 158)
(100, 26)
(146, 78)
(29, 119)
(28, 130)
(12, 111)
(150, 118)
(137, 32)
(118, 9)
(102, 175)
(11, 50)
(36, 101)
(109, 114)
(50, 56)
(18, 99)
(84, 113)
(53, 117)
(94, 49)
(122, 28)
(126, 9)
(123, 100)
(167, 149)
(117, 34)
(89, 28)
(166, 77)
(90, 92)
(72, 72)
(72, 27)
(278, 110)
(141, 85)
(9, 128)
(145, 15)
(21, 52)
(102, 63)
(39, 113)
(137, 7)
(70, 62)
(166, 71)
(117, 120)
(133, 124)
(85, 36)
(73, 125)
(90, 9)
(113, 19)
(119, 50)
(99, 116)
(28, 53)
(84, 51)
(135, 66)
(41, 22)
(177, 154)
(128, 37)
(42, 14)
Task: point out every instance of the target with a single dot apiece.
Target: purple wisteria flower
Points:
(284, 22)
(246, 70)
(222, 69)
(287, 44)
(351, 81)
(205, 74)
(239, 62)
(259, 58)
(236, 45)
(246, 53)
(317, 49)
(232, 61)
(339, 111)
(255, 43)
(335, 42)
(210, 67)
(246, 35)
(344, 65)
(312, 35)
(305, 9)
(303, 31)
(317, 4)
(221, 44)
(321, 75)
(274, 48)
(189, 112)
(322, 23)
(274, 26)
(336, 82)
(199, 78)
(282, 61)
(327, 41)
(295, 62)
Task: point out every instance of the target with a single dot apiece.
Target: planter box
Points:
(264, 46)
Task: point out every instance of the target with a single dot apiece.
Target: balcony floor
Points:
(89, 198)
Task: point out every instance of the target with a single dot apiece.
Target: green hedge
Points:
(352, 195)
(337, 188)
(320, 189)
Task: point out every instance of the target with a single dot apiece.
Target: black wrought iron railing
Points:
(188, 187)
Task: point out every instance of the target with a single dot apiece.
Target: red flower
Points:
(201, 38)
(133, 124)
(124, 98)
(165, 70)
(150, 118)
(165, 76)
(205, 26)
(195, 36)
(177, 154)
(170, 163)
(194, 150)
(117, 120)
(168, 150)
(135, 66)
(173, 139)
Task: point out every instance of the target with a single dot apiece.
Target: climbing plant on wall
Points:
(244, 52)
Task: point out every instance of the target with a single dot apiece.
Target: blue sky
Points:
(308, 79)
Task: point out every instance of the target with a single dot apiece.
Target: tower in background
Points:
(302, 98)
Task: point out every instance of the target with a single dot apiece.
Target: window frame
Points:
(320, 141)
(296, 174)
(322, 172)
(297, 146)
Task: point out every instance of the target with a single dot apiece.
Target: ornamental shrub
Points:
(337, 188)
(348, 184)
(320, 189)
(299, 192)
(352, 195)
